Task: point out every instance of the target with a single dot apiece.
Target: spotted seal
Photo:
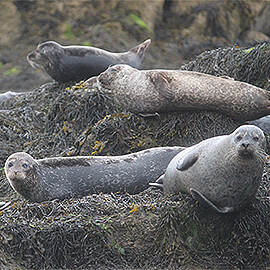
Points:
(64, 177)
(223, 172)
(151, 91)
(75, 63)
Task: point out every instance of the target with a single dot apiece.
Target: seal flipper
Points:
(158, 183)
(4, 205)
(186, 162)
(161, 83)
(141, 49)
(144, 115)
(196, 195)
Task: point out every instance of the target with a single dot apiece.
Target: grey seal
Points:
(151, 91)
(64, 177)
(263, 123)
(76, 63)
(223, 172)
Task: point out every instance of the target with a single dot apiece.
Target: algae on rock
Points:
(122, 230)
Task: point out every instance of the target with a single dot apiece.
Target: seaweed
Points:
(109, 231)
(249, 65)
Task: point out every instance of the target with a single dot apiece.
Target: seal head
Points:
(45, 55)
(249, 142)
(21, 171)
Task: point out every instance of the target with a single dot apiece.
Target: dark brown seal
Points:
(150, 91)
(223, 172)
(64, 177)
(76, 63)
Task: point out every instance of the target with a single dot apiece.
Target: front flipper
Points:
(196, 195)
(145, 115)
(162, 85)
(158, 183)
(187, 161)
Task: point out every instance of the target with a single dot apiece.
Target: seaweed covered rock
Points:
(122, 230)
(249, 65)
(149, 229)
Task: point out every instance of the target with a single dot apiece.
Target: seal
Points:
(76, 63)
(263, 123)
(64, 177)
(222, 172)
(151, 91)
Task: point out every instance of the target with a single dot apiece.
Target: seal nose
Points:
(31, 55)
(245, 145)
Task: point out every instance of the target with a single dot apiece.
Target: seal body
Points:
(223, 172)
(64, 177)
(75, 63)
(150, 91)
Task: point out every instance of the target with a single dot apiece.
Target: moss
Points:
(13, 71)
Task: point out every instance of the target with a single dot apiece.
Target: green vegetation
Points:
(13, 71)
(140, 22)
(68, 32)
(86, 43)
(249, 50)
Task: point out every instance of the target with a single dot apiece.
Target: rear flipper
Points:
(158, 183)
(202, 199)
(141, 49)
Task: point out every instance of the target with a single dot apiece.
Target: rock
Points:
(261, 22)
(11, 24)
(255, 35)
(203, 20)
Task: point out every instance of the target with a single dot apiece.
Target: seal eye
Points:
(112, 69)
(255, 139)
(10, 164)
(239, 138)
(24, 165)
